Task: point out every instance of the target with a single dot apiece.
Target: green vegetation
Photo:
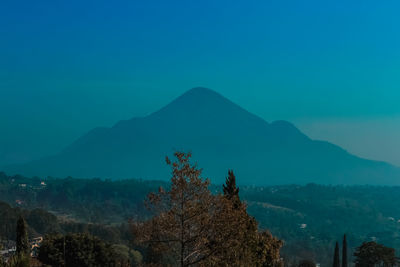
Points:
(311, 218)
(18, 260)
(305, 217)
(374, 254)
(41, 222)
(82, 250)
(88, 200)
(22, 237)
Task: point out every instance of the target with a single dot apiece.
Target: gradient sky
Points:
(330, 67)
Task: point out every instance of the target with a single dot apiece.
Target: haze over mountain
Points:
(221, 136)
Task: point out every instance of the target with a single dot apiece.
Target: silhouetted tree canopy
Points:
(344, 252)
(77, 250)
(371, 254)
(336, 256)
(22, 242)
(230, 190)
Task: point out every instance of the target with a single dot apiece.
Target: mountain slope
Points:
(221, 136)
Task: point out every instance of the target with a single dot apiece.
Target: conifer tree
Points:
(22, 237)
(230, 190)
(244, 250)
(344, 252)
(79, 249)
(252, 248)
(336, 257)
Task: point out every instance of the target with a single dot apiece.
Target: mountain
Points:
(221, 135)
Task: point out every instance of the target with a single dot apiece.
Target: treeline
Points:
(41, 222)
(89, 200)
(311, 218)
(368, 254)
(70, 250)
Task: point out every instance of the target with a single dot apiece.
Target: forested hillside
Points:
(309, 219)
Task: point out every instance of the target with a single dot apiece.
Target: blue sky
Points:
(330, 67)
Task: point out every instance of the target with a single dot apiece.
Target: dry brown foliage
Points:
(192, 227)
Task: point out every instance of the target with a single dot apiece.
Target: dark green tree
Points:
(229, 188)
(18, 260)
(336, 257)
(371, 254)
(43, 221)
(22, 237)
(344, 252)
(77, 250)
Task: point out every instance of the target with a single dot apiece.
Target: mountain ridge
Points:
(222, 135)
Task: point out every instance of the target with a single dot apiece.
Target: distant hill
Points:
(221, 136)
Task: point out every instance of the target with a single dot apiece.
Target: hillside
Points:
(308, 218)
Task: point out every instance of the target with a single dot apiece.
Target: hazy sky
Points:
(330, 67)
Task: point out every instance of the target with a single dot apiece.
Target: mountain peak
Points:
(200, 90)
(199, 100)
(201, 94)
